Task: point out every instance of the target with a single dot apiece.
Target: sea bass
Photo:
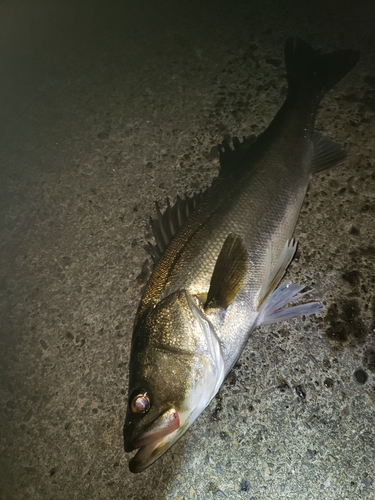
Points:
(219, 257)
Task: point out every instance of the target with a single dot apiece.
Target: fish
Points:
(219, 258)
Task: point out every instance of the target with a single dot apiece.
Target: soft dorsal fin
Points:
(229, 273)
(228, 156)
(327, 153)
(166, 225)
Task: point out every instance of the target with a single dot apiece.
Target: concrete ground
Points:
(106, 107)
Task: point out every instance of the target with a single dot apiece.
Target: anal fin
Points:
(229, 273)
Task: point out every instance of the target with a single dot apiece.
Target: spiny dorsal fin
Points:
(327, 153)
(229, 156)
(166, 225)
(229, 273)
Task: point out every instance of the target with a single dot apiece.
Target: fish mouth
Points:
(157, 438)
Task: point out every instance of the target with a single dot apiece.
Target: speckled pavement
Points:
(105, 108)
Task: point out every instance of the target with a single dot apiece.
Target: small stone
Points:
(43, 343)
(192, 493)
(66, 261)
(360, 376)
(52, 472)
(310, 453)
(220, 494)
(300, 392)
(266, 470)
(328, 382)
(245, 485)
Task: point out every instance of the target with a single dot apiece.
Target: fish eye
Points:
(140, 403)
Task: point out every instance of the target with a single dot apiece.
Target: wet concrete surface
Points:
(105, 109)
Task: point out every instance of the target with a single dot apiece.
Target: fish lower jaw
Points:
(162, 433)
(144, 457)
(148, 453)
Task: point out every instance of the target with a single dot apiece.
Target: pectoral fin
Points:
(229, 273)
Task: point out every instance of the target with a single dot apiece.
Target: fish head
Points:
(176, 368)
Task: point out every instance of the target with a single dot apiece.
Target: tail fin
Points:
(308, 68)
